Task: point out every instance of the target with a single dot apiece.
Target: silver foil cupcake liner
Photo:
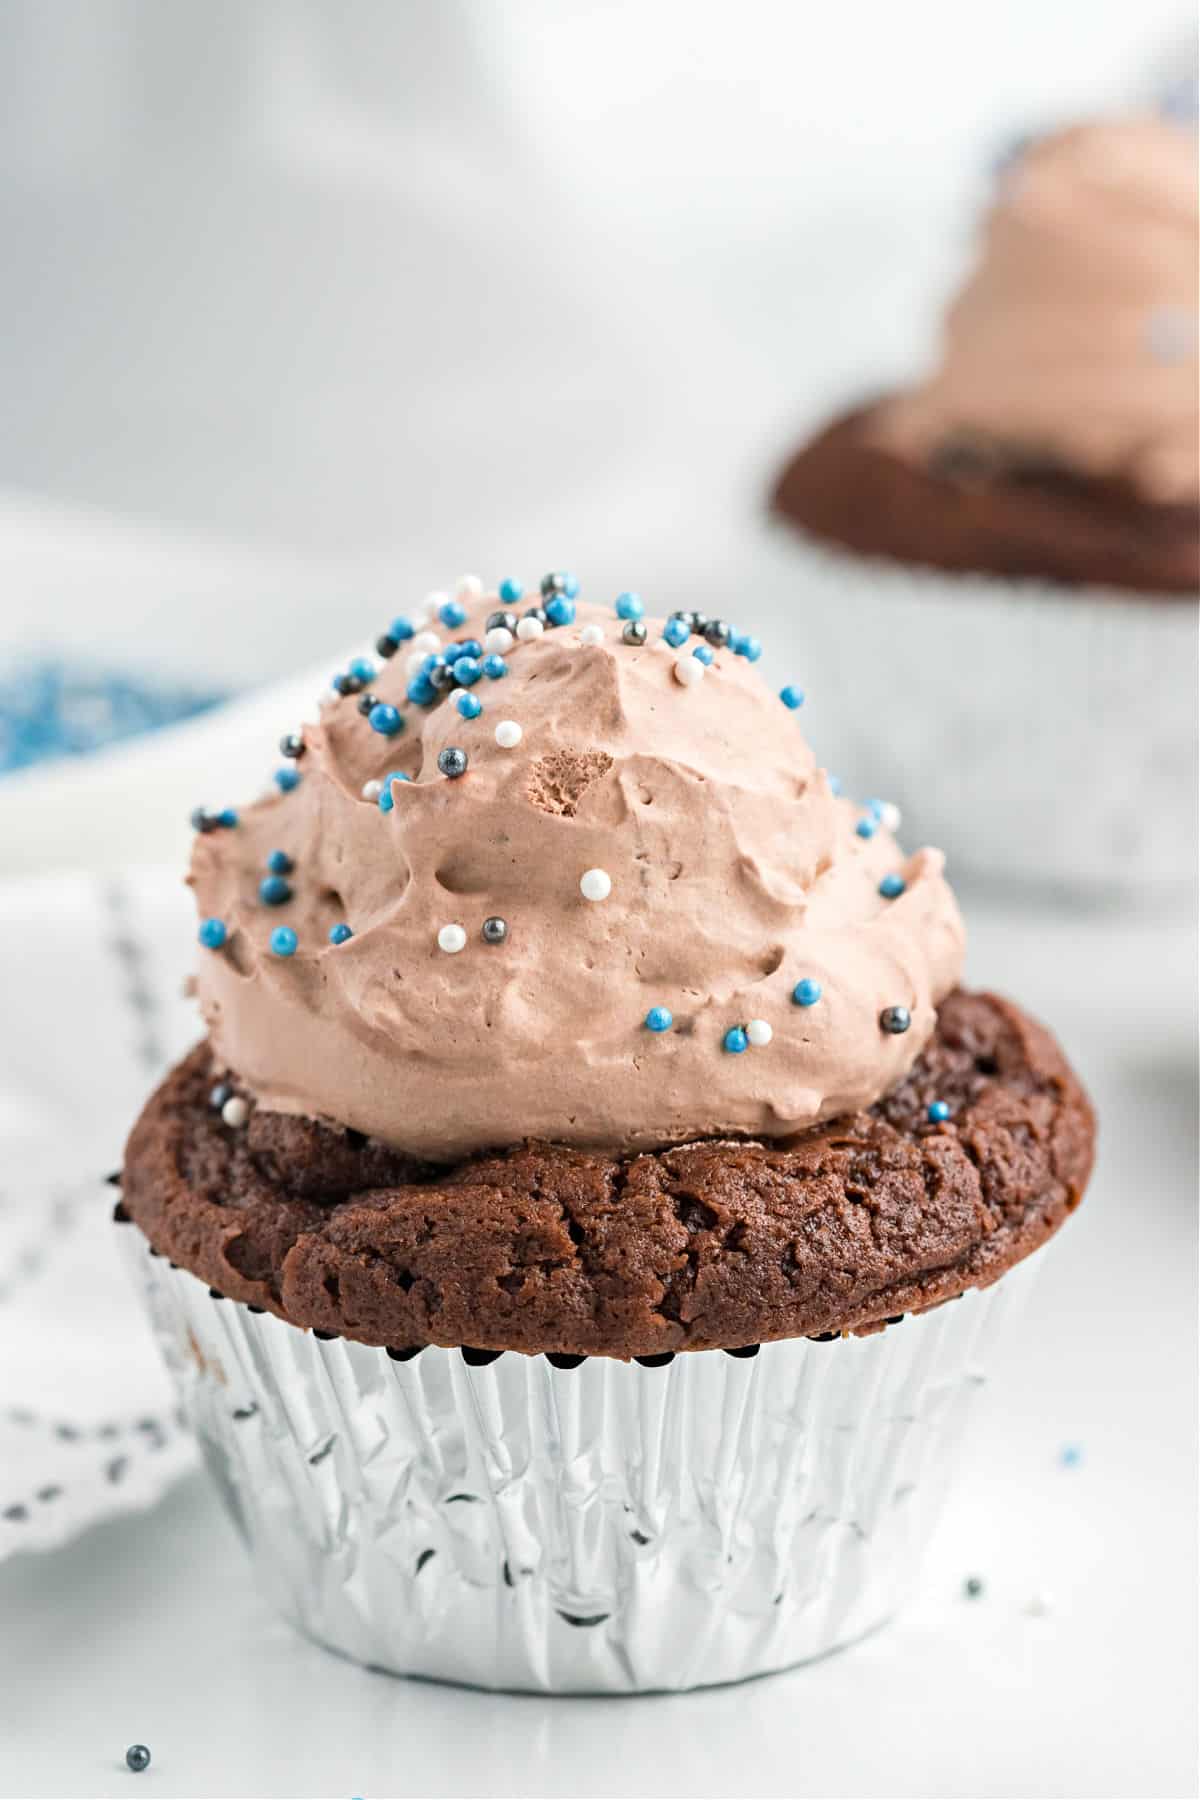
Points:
(1038, 735)
(605, 1527)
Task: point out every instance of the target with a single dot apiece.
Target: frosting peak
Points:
(733, 873)
(1075, 341)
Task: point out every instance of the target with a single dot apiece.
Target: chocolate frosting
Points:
(735, 872)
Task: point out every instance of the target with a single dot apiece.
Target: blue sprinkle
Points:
(736, 1040)
(467, 670)
(892, 886)
(676, 632)
(362, 668)
(659, 1019)
(212, 933)
(867, 826)
(468, 705)
(227, 818)
(939, 1112)
(807, 992)
(452, 613)
(510, 591)
(874, 807)
(571, 586)
(280, 863)
(629, 606)
(421, 691)
(704, 653)
(287, 778)
(1070, 1456)
(434, 660)
(273, 890)
(402, 630)
(749, 647)
(792, 697)
(283, 941)
(835, 784)
(560, 610)
(467, 647)
(495, 666)
(339, 934)
(385, 720)
(386, 801)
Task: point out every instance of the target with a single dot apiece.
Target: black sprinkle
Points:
(114, 1180)
(15, 1514)
(48, 1493)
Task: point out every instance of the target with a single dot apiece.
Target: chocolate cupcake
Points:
(1018, 537)
(554, 1233)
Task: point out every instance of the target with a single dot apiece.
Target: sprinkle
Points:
(634, 633)
(676, 631)
(345, 684)
(217, 1096)
(807, 992)
(688, 671)
(895, 1020)
(510, 591)
(792, 697)
(494, 930)
(560, 610)
(137, 1758)
(735, 1040)
(227, 818)
(468, 669)
(629, 606)
(367, 703)
(749, 647)
(452, 939)
(508, 734)
(426, 641)
(469, 707)
(495, 667)
(283, 941)
(1070, 1456)
(386, 797)
(892, 886)
(591, 635)
(452, 762)
(340, 934)
(371, 790)
(835, 784)
(291, 744)
(529, 627)
(704, 653)
(202, 820)
(718, 633)
(385, 720)
(498, 639)
(273, 890)
(759, 1033)
(362, 669)
(560, 581)
(421, 691)
(212, 933)
(595, 884)
(937, 1112)
(889, 816)
(973, 1587)
(400, 630)
(867, 826)
(469, 587)
(452, 613)
(280, 863)
(235, 1112)
(386, 646)
(659, 1018)
(286, 779)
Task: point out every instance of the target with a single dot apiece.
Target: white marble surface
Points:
(149, 1629)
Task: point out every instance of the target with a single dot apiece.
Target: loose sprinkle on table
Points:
(137, 1758)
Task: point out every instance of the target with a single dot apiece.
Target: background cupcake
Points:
(999, 563)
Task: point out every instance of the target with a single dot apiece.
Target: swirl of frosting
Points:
(1075, 341)
(735, 873)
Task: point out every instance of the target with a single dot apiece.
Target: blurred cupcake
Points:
(1001, 563)
(554, 1233)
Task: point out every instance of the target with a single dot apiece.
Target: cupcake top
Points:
(1075, 342)
(545, 872)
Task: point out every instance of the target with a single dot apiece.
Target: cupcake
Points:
(554, 1233)
(1017, 538)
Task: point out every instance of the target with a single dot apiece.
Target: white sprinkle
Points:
(469, 587)
(889, 816)
(591, 634)
(529, 628)
(759, 1032)
(452, 939)
(1038, 1605)
(235, 1112)
(371, 790)
(688, 670)
(433, 601)
(424, 642)
(413, 665)
(508, 734)
(595, 884)
(499, 639)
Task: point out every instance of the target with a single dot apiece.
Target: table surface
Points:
(150, 1629)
